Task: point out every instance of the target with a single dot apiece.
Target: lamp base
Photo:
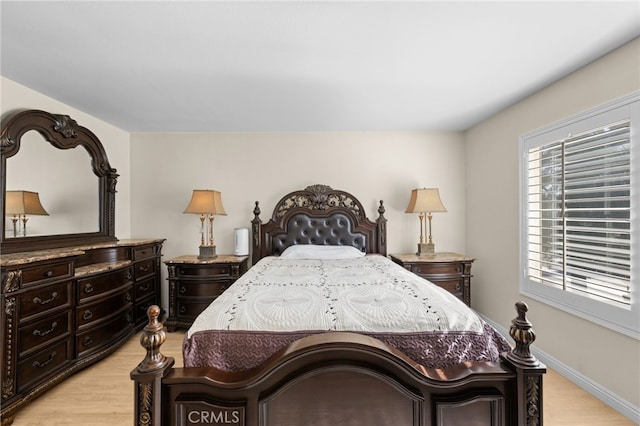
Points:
(426, 249)
(207, 252)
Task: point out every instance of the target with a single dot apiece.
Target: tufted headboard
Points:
(318, 215)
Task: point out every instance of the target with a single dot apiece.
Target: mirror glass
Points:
(65, 183)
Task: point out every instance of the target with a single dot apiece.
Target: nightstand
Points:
(194, 283)
(451, 271)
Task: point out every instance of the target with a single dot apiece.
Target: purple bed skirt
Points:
(230, 350)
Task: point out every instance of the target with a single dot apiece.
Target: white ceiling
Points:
(302, 65)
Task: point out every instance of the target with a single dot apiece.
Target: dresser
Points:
(194, 283)
(451, 271)
(64, 309)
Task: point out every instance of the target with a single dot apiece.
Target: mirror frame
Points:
(62, 132)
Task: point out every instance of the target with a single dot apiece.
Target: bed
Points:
(276, 350)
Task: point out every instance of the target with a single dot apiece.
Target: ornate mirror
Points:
(82, 214)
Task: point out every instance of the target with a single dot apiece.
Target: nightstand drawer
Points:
(219, 270)
(438, 268)
(454, 286)
(187, 288)
(190, 309)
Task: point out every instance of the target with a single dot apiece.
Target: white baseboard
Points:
(619, 404)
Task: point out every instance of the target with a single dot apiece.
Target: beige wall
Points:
(605, 357)
(249, 167)
(15, 97)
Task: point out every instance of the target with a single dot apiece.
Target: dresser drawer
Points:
(145, 288)
(145, 268)
(43, 299)
(90, 313)
(103, 335)
(49, 271)
(99, 284)
(438, 269)
(186, 288)
(218, 270)
(141, 307)
(143, 252)
(43, 363)
(41, 333)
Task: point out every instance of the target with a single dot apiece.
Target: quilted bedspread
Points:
(279, 301)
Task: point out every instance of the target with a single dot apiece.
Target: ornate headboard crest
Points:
(318, 197)
(294, 221)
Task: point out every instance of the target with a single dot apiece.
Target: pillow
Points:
(311, 251)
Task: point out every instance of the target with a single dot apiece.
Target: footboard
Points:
(341, 378)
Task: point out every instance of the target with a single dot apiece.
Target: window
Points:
(579, 211)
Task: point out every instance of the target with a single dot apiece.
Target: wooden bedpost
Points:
(256, 237)
(148, 375)
(528, 369)
(382, 230)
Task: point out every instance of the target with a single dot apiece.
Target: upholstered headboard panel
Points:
(318, 215)
(304, 228)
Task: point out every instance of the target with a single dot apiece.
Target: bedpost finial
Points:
(256, 210)
(381, 209)
(152, 337)
(521, 331)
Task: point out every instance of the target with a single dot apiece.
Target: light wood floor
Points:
(103, 395)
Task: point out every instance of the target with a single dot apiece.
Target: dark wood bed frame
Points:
(337, 378)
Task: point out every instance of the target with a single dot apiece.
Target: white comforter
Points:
(368, 294)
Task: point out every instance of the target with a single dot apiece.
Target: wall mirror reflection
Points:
(64, 183)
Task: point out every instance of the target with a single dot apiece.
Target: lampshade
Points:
(205, 201)
(425, 200)
(23, 202)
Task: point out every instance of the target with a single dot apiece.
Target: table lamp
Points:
(424, 202)
(206, 203)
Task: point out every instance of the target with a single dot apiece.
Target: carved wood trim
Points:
(62, 132)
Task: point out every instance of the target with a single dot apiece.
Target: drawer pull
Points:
(48, 274)
(457, 287)
(146, 268)
(128, 297)
(44, 333)
(88, 288)
(87, 341)
(39, 364)
(182, 309)
(183, 289)
(129, 276)
(45, 301)
(87, 315)
(144, 287)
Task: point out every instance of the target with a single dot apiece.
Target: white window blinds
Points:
(579, 213)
